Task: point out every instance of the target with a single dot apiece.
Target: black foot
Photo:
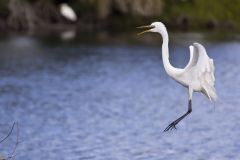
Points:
(171, 126)
(174, 123)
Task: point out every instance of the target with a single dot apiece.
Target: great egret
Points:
(68, 12)
(197, 76)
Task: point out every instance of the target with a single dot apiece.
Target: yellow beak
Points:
(148, 27)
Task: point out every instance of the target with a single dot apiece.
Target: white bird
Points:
(68, 12)
(197, 76)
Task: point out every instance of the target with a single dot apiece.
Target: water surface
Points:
(105, 101)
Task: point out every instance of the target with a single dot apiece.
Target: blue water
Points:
(111, 101)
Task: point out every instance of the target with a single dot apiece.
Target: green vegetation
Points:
(222, 13)
(3, 8)
(124, 14)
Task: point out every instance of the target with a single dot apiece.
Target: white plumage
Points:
(68, 12)
(198, 75)
(199, 72)
(203, 70)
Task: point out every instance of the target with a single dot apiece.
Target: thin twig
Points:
(8, 133)
(12, 155)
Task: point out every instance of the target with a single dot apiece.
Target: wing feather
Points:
(193, 58)
(205, 70)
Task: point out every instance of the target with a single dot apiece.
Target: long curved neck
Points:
(171, 71)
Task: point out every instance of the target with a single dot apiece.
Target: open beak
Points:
(149, 27)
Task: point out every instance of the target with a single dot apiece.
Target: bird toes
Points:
(171, 126)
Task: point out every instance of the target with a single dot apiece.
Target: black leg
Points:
(174, 123)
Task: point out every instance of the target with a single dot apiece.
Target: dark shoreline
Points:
(34, 16)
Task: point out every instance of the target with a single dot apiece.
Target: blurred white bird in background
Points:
(68, 12)
(198, 75)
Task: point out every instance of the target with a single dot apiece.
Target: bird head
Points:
(154, 27)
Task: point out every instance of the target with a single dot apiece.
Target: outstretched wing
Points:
(204, 69)
(193, 58)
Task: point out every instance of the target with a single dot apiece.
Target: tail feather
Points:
(210, 92)
(213, 95)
